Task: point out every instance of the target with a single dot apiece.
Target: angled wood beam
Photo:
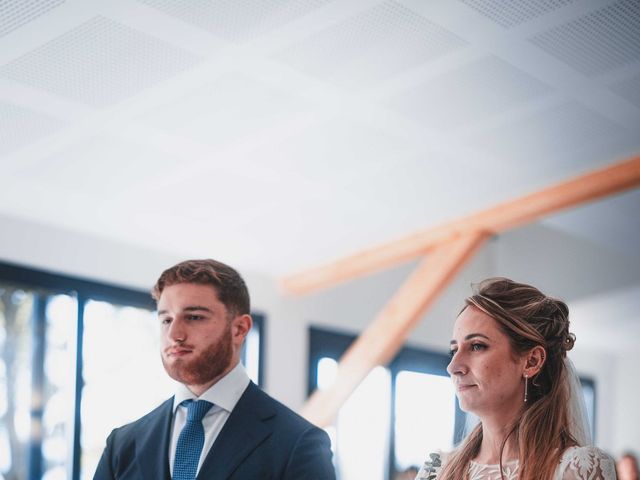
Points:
(386, 334)
(528, 208)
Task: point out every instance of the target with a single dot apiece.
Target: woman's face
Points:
(487, 373)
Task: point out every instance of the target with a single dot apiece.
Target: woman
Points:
(509, 367)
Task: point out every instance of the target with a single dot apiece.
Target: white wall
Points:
(626, 415)
(353, 305)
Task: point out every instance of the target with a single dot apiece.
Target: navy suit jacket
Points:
(261, 440)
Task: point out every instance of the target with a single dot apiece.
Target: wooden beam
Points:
(387, 333)
(591, 186)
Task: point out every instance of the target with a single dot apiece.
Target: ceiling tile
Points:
(225, 110)
(598, 42)
(98, 166)
(469, 94)
(629, 89)
(514, 12)
(99, 62)
(551, 136)
(373, 45)
(15, 13)
(236, 20)
(20, 127)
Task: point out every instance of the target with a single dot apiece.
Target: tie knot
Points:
(196, 410)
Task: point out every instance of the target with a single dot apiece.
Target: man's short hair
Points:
(231, 289)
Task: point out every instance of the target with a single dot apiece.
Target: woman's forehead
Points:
(474, 320)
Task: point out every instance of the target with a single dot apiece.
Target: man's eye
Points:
(165, 321)
(194, 317)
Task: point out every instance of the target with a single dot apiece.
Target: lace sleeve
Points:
(431, 468)
(586, 463)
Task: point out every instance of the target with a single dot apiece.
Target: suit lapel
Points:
(244, 430)
(152, 446)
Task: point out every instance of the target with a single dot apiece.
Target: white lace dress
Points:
(577, 463)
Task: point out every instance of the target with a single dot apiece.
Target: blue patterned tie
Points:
(190, 441)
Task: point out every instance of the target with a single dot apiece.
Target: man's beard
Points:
(207, 366)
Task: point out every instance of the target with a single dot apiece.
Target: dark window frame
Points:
(333, 343)
(44, 284)
(591, 383)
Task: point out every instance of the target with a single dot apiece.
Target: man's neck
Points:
(198, 390)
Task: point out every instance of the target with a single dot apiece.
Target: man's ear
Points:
(534, 361)
(240, 327)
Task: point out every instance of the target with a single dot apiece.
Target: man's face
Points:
(200, 340)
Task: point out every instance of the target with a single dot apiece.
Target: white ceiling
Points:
(279, 134)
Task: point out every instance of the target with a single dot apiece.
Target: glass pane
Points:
(123, 373)
(360, 438)
(16, 345)
(425, 417)
(251, 354)
(59, 388)
(589, 394)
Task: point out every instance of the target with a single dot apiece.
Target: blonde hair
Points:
(529, 318)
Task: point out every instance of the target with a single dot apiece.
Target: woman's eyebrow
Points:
(470, 336)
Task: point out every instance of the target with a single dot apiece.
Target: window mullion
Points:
(392, 424)
(79, 384)
(38, 339)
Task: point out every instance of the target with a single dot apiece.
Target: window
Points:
(589, 393)
(409, 409)
(408, 406)
(65, 346)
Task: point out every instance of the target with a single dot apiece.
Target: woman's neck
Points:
(494, 432)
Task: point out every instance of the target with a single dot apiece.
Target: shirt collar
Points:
(225, 393)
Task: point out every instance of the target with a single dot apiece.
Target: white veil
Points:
(578, 420)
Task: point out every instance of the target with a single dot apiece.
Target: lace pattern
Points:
(577, 463)
(586, 463)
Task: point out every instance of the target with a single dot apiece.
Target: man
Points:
(627, 467)
(218, 425)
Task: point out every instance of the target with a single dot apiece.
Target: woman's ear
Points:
(534, 361)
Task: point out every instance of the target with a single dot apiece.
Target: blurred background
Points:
(279, 135)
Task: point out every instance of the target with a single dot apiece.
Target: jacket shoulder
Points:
(270, 407)
(160, 413)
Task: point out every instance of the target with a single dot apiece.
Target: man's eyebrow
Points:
(196, 308)
(190, 308)
(470, 336)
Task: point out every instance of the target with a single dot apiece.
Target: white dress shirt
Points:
(224, 395)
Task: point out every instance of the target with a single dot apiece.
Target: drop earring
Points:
(526, 388)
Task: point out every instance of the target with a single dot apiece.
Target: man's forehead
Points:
(188, 287)
(186, 293)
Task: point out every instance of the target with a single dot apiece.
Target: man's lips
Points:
(464, 387)
(178, 352)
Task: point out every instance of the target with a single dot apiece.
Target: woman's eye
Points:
(452, 353)
(476, 347)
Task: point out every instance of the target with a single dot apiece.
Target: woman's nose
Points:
(456, 365)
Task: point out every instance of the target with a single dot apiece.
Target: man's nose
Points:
(176, 331)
